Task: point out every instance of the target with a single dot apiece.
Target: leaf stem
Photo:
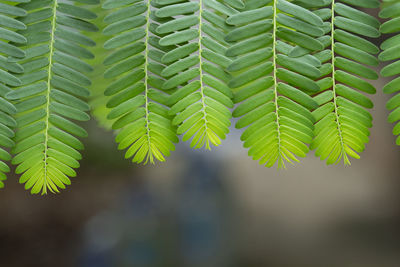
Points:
(280, 160)
(146, 77)
(51, 52)
(201, 76)
(339, 127)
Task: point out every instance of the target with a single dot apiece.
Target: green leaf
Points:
(390, 54)
(272, 88)
(133, 88)
(342, 121)
(48, 96)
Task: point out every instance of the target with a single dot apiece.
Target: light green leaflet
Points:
(98, 100)
(137, 102)
(196, 66)
(50, 98)
(342, 121)
(272, 88)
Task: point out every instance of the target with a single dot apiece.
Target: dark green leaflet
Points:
(390, 53)
(8, 70)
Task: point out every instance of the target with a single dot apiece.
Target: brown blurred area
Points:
(216, 208)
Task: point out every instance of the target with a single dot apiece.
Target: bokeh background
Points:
(211, 209)
(215, 208)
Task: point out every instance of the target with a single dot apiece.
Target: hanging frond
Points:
(8, 25)
(50, 98)
(196, 67)
(272, 88)
(137, 102)
(342, 127)
(391, 53)
(98, 101)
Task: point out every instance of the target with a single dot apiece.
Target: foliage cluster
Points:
(293, 73)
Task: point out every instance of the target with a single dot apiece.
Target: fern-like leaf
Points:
(390, 53)
(273, 89)
(98, 101)
(342, 127)
(196, 67)
(49, 101)
(8, 26)
(138, 104)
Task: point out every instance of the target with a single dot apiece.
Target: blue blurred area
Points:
(143, 229)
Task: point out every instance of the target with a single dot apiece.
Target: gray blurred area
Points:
(214, 209)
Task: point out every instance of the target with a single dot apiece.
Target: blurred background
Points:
(211, 209)
(215, 208)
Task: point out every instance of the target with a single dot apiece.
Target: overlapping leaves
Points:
(297, 71)
(196, 67)
(391, 54)
(8, 37)
(97, 100)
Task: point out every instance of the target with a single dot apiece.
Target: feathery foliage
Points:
(196, 67)
(8, 25)
(297, 71)
(137, 102)
(342, 127)
(271, 87)
(49, 100)
(391, 53)
(98, 101)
